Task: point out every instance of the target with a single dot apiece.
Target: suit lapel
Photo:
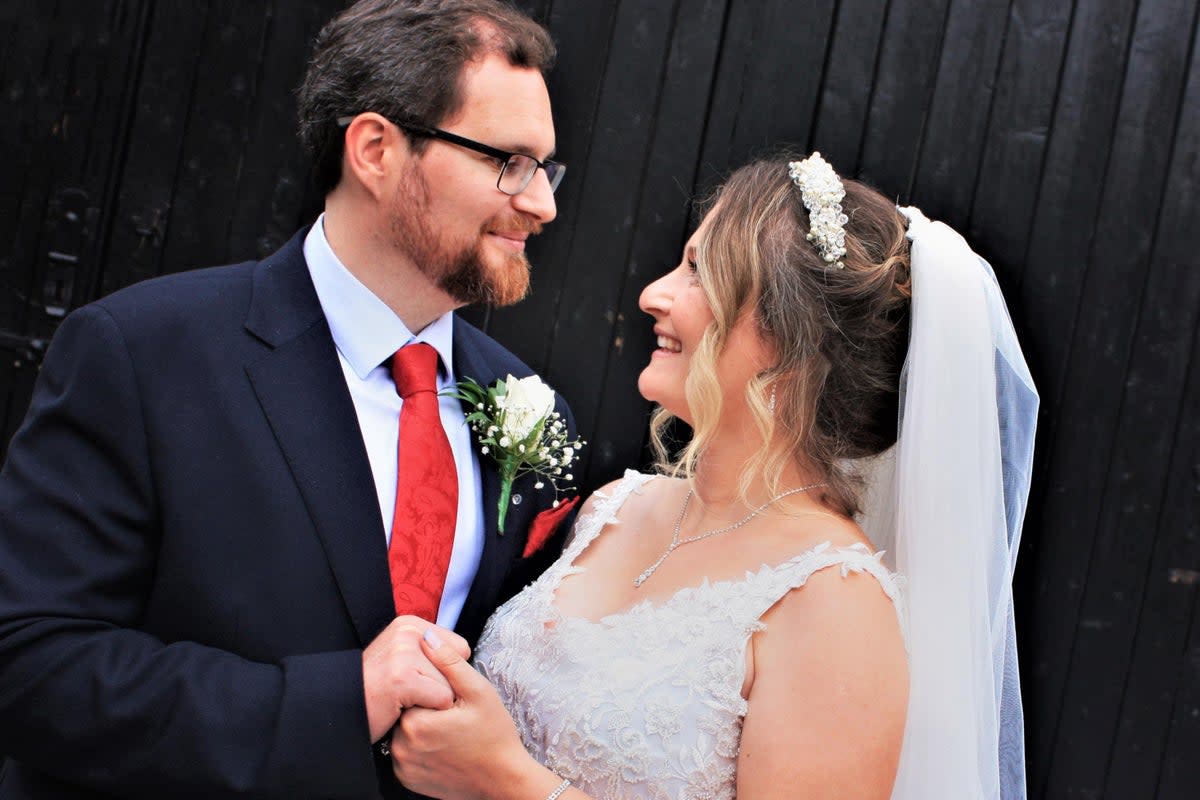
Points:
(499, 551)
(303, 393)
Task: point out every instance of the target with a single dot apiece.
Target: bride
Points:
(738, 626)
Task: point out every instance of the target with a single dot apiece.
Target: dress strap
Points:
(603, 511)
(777, 581)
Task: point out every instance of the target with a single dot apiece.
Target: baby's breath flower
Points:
(516, 424)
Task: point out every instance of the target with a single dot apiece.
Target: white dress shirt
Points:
(367, 333)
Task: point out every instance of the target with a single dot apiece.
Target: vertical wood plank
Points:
(1159, 669)
(768, 83)
(212, 156)
(26, 33)
(172, 62)
(582, 33)
(1178, 780)
(660, 228)
(68, 74)
(1071, 184)
(908, 61)
(617, 159)
(30, 141)
(955, 133)
(1005, 193)
(1104, 563)
(841, 117)
(1127, 479)
(269, 199)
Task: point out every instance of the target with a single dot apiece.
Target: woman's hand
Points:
(472, 749)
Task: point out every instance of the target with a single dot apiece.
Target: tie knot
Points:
(414, 369)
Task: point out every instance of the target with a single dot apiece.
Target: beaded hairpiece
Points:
(822, 192)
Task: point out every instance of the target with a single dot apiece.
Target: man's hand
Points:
(397, 674)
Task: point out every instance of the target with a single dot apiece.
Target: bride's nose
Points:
(655, 298)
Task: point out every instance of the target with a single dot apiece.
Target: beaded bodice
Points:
(645, 703)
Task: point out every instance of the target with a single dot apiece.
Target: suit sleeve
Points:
(86, 696)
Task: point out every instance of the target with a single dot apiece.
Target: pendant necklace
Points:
(676, 542)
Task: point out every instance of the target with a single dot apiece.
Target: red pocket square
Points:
(544, 525)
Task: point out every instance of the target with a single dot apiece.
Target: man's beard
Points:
(459, 269)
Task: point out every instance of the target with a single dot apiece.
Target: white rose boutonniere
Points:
(516, 424)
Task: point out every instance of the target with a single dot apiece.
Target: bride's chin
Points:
(647, 387)
(647, 390)
(643, 385)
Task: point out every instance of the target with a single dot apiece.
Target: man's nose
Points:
(537, 199)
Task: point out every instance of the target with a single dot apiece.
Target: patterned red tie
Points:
(426, 488)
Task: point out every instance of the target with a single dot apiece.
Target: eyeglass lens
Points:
(518, 172)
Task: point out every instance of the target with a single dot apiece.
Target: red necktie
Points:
(426, 488)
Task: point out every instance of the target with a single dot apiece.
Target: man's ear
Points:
(374, 149)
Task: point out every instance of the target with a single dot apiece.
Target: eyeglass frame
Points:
(484, 149)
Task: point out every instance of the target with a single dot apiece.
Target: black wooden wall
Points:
(1061, 136)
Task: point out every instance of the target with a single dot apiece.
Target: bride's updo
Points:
(841, 333)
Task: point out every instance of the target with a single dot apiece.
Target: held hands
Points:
(397, 674)
(472, 749)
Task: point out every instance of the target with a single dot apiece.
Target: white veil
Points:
(948, 501)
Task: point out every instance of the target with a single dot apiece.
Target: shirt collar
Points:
(365, 331)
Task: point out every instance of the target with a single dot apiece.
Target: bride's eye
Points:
(692, 266)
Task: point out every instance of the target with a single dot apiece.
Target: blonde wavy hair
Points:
(840, 334)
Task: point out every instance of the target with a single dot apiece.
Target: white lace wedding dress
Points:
(645, 703)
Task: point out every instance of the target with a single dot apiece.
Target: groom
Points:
(206, 534)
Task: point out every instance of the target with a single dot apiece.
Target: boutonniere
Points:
(516, 425)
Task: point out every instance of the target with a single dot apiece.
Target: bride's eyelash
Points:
(692, 265)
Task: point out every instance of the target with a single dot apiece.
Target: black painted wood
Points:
(68, 75)
(582, 30)
(904, 84)
(1062, 136)
(1117, 486)
(841, 117)
(956, 130)
(146, 192)
(768, 83)
(1019, 123)
(1164, 384)
(617, 158)
(661, 225)
(1072, 182)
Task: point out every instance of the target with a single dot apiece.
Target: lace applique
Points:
(645, 703)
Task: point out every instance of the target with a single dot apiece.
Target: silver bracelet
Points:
(558, 790)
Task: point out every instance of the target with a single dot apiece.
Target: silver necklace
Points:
(676, 542)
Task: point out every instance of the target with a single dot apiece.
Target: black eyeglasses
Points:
(517, 170)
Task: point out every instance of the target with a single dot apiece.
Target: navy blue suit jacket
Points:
(191, 554)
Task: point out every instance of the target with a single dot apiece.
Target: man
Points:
(213, 513)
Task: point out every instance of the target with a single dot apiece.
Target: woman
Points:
(730, 630)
